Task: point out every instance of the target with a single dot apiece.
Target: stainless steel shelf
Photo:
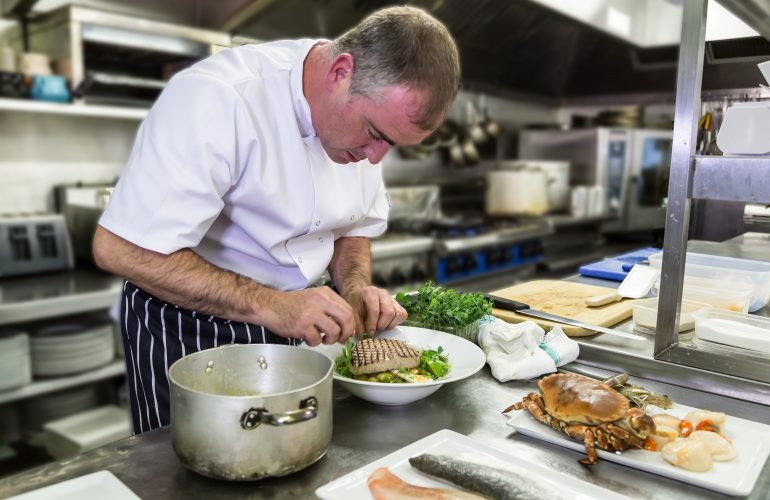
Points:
(38, 388)
(513, 234)
(31, 298)
(732, 179)
(115, 112)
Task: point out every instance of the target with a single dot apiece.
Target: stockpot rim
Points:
(175, 383)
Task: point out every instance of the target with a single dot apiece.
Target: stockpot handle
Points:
(308, 410)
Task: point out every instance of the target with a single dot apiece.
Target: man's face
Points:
(354, 128)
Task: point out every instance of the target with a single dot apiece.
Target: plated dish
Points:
(750, 440)
(464, 358)
(450, 443)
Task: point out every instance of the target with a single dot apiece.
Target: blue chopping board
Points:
(616, 268)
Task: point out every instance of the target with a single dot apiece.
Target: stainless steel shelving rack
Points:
(701, 177)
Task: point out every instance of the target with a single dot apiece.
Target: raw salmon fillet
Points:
(385, 485)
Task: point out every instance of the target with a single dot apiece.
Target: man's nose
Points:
(375, 151)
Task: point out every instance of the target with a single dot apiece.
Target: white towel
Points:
(523, 350)
(559, 347)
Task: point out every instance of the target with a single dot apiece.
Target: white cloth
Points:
(227, 163)
(522, 350)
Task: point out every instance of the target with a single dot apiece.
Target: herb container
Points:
(468, 332)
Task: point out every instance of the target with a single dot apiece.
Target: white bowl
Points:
(465, 359)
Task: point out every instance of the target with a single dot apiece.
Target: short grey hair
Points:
(404, 46)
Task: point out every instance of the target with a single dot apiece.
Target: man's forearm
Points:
(184, 279)
(351, 264)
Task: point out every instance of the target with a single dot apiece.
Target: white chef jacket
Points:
(227, 163)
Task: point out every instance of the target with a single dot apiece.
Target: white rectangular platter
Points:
(102, 485)
(447, 442)
(736, 477)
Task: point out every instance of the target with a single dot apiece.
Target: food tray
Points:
(735, 329)
(446, 442)
(646, 314)
(736, 477)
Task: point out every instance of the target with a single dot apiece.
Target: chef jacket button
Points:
(299, 259)
(353, 217)
(317, 223)
(321, 240)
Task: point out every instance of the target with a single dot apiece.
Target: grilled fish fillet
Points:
(379, 355)
(384, 485)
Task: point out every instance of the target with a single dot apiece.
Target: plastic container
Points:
(735, 329)
(719, 294)
(645, 314)
(730, 271)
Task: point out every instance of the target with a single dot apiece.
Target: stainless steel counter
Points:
(364, 432)
(638, 357)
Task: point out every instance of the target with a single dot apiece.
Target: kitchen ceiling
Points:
(515, 47)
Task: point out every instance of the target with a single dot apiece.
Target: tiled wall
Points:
(39, 151)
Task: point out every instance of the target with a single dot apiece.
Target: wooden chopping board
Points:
(563, 298)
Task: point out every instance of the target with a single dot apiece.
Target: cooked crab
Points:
(586, 409)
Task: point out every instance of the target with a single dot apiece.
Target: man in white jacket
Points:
(255, 171)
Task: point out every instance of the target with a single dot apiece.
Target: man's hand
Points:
(374, 309)
(314, 315)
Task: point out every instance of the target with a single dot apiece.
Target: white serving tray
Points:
(102, 485)
(446, 442)
(736, 477)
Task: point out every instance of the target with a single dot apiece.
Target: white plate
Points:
(446, 442)
(736, 477)
(465, 359)
(102, 485)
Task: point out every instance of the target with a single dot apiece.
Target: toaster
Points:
(34, 243)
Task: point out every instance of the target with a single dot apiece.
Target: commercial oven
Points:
(630, 165)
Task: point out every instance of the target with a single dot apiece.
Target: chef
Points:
(257, 170)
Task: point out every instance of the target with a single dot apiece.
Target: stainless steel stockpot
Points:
(245, 412)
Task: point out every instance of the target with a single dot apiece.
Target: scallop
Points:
(666, 420)
(720, 448)
(688, 454)
(698, 416)
(665, 432)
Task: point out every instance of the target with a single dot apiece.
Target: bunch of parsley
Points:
(435, 306)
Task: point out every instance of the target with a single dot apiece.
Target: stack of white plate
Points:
(15, 364)
(71, 436)
(71, 347)
(36, 412)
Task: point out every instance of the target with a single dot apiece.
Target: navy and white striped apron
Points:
(156, 334)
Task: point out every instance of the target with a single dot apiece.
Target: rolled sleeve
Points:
(375, 222)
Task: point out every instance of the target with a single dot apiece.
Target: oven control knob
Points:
(397, 277)
(506, 255)
(378, 279)
(470, 262)
(493, 257)
(453, 265)
(418, 273)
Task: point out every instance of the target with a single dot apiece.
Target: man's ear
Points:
(340, 72)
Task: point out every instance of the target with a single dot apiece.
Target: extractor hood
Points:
(524, 47)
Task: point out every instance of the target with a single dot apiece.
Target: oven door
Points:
(648, 183)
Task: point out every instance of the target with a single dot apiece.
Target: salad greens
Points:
(433, 365)
(435, 306)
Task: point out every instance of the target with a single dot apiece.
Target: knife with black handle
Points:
(522, 308)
